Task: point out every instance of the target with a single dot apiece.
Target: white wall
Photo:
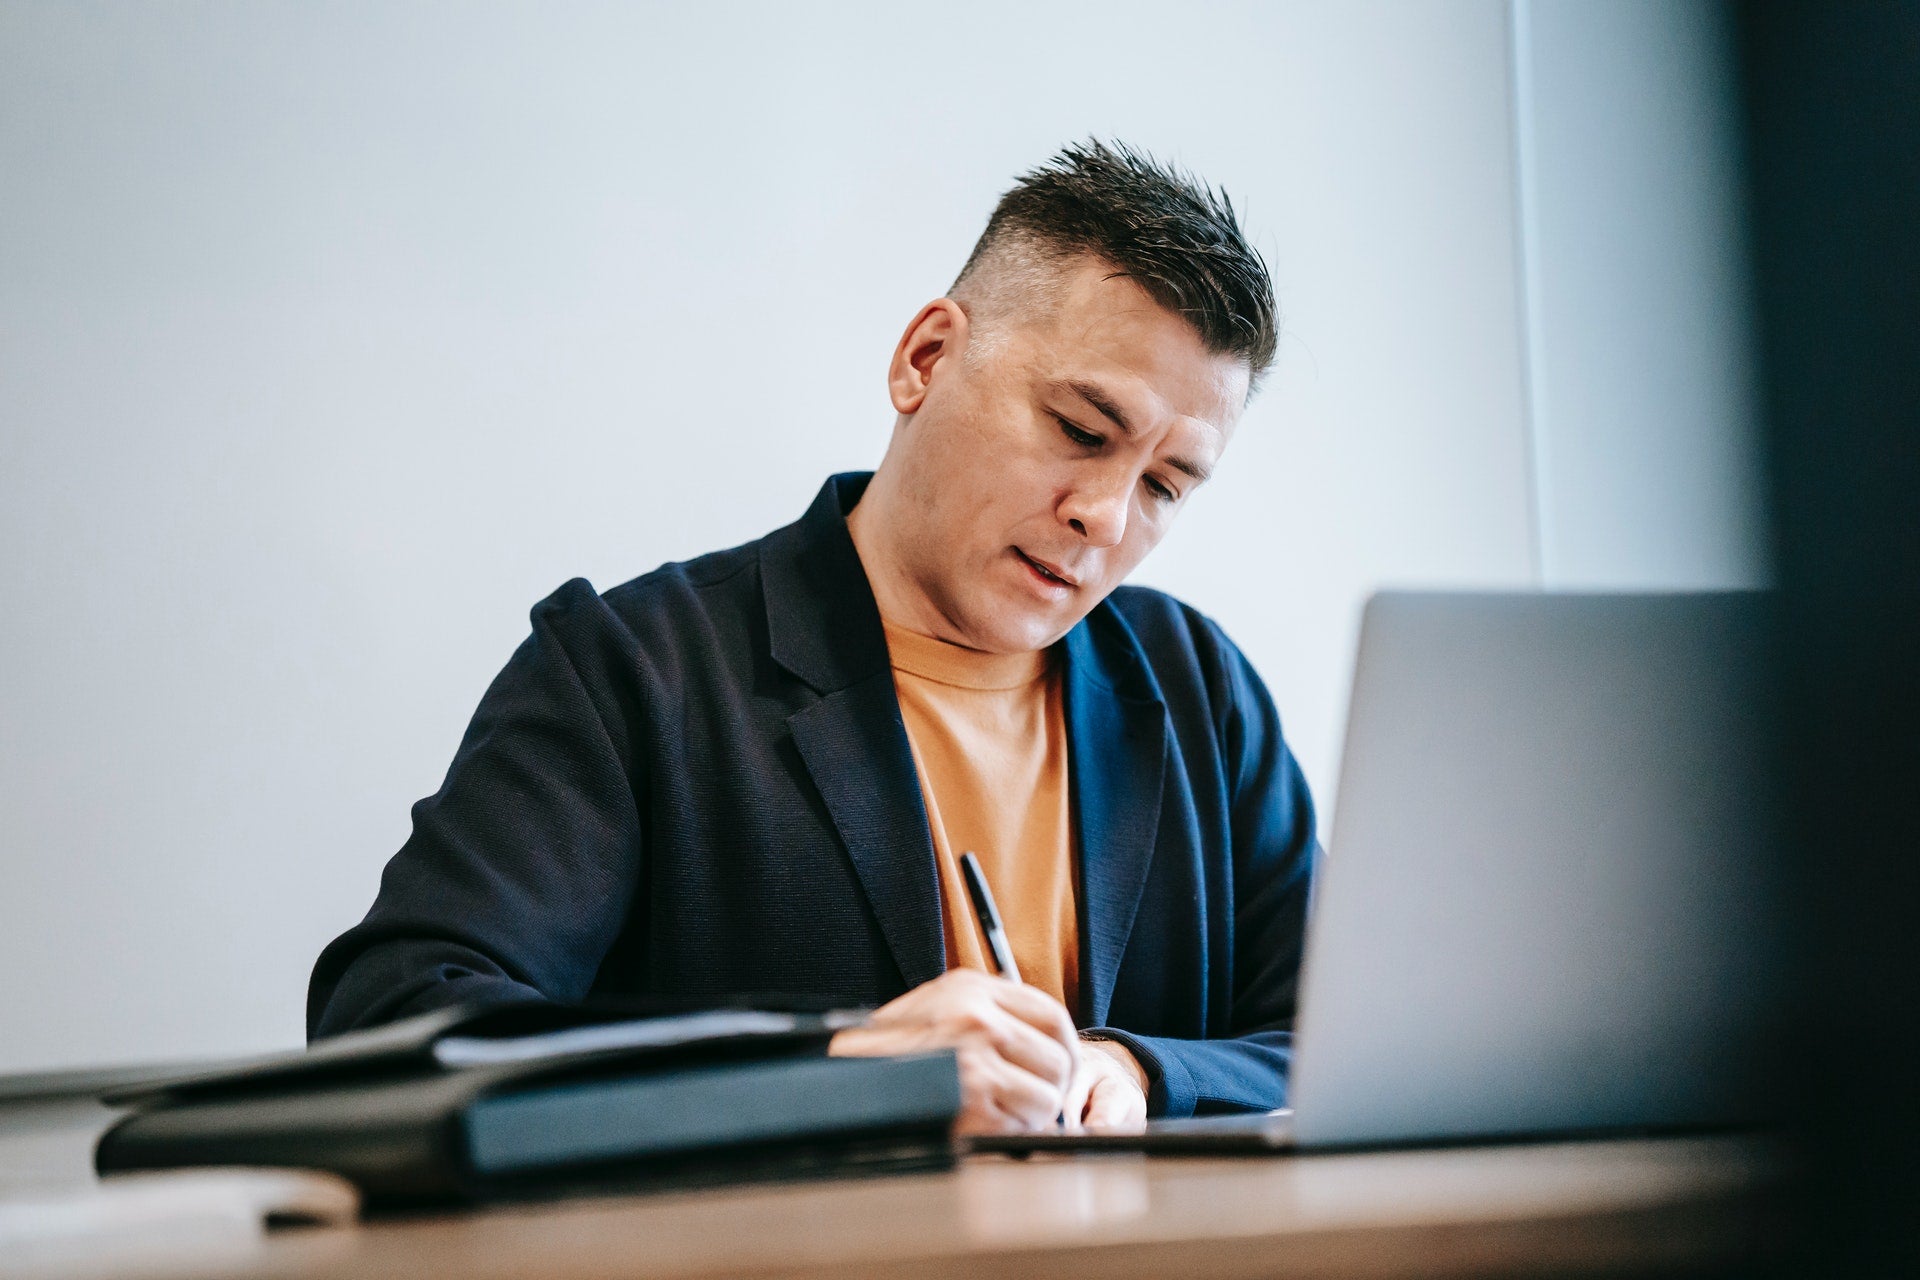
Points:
(332, 337)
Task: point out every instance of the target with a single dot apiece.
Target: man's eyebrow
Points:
(1099, 399)
(1094, 395)
(1199, 473)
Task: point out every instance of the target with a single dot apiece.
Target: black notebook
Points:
(530, 1100)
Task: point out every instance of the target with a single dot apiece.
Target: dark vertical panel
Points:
(1833, 115)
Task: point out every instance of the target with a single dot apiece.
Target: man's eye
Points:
(1159, 490)
(1075, 434)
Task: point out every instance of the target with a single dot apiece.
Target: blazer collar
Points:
(823, 625)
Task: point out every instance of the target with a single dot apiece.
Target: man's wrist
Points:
(1111, 1048)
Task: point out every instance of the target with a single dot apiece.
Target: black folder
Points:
(536, 1100)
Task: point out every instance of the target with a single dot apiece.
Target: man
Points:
(754, 771)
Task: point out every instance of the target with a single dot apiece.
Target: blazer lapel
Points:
(824, 628)
(1117, 744)
(854, 744)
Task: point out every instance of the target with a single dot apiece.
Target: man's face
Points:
(1037, 473)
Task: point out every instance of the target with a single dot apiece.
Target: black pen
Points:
(989, 917)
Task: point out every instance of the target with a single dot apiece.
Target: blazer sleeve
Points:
(1275, 856)
(522, 867)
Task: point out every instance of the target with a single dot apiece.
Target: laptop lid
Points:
(1546, 903)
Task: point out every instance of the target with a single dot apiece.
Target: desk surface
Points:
(1617, 1207)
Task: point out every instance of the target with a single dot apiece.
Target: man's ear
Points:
(938, 332)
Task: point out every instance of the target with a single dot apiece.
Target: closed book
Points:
(539, 1125)
(496, 1032)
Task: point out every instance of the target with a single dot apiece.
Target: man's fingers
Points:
(1026, 1024)
(1018, 1052)
(1027, 1048)
(1037, 1009)
(996, 1095)
(873, 1042)
(984, 1023)
(1115, 1105)
(979, 1113)
(989, 1081)
(1074, 1108)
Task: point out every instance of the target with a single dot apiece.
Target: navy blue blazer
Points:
(698, 784)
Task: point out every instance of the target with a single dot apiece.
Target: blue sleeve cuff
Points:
(1171, 1091)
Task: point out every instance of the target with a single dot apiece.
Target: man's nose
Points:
(1097, 510)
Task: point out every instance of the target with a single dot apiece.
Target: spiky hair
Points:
(1169, 232)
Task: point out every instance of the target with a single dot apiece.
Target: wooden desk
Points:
(1652, 1206)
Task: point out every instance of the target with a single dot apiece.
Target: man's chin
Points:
(1004, 621)
(1016, 633)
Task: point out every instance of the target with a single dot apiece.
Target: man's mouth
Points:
(1049, 572)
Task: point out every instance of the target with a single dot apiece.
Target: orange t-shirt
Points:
(989, 739)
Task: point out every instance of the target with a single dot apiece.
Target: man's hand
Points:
(1109, 1091)
(1015, 1044)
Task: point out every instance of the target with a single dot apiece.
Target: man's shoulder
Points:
(678, 601)
(683, 583)
(1169, 628)
(1193, 661)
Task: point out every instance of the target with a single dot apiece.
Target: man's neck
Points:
(900, 600)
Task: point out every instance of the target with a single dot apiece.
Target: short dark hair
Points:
(1169, 232)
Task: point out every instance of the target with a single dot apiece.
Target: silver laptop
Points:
(1547, 904)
